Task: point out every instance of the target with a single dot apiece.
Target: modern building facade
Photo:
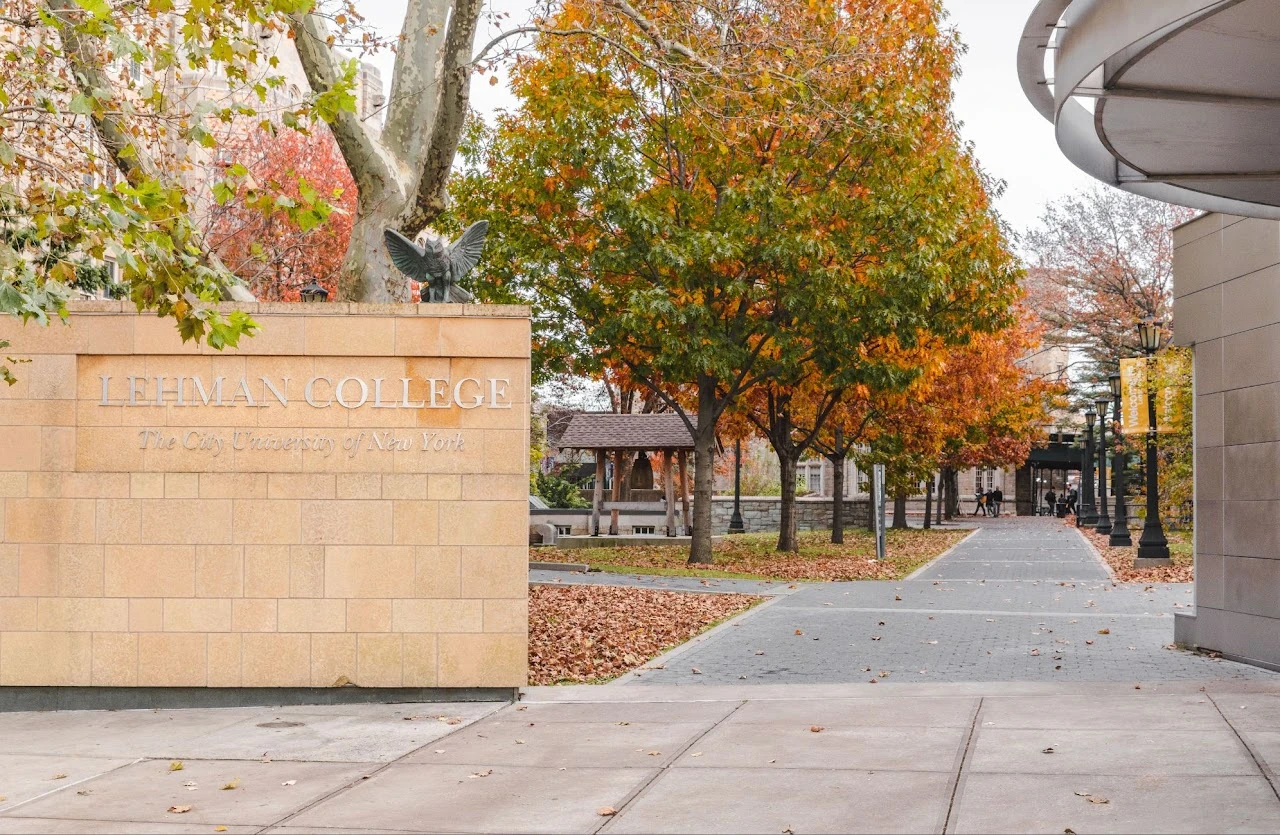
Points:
(1179, 100)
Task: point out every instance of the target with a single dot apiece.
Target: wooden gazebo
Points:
(605, 433)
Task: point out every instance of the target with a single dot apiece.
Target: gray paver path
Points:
(1019, 600)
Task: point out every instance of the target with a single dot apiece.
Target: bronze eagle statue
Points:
(435, 266)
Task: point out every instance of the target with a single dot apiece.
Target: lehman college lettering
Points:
(318, 392)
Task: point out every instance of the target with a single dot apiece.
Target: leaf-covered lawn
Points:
(1121, 559)
(594, 633)
(753, 556)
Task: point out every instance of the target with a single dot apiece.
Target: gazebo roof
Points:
(605, 430)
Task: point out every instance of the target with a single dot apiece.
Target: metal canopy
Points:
(1178, 100)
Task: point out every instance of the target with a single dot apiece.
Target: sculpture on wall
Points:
(435, 266)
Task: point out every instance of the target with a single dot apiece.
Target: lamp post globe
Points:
(1103, 517)
(313, 292)
(1120, 537)
(1153, 547)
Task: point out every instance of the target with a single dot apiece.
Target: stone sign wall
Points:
(344, 499)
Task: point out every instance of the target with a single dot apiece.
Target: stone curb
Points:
(698, 640)
(931, 563)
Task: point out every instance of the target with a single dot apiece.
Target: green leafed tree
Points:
(703, 217)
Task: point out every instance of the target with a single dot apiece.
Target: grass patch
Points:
(753, 557)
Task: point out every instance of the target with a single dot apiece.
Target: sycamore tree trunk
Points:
(944, 490)
(401, 173)
(788, 464)
(704, 460)
(900, 509)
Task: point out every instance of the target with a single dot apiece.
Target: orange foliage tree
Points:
(289, 220)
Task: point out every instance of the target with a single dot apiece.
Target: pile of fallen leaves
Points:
(590, 633)
(1121, 561)
(754, 555)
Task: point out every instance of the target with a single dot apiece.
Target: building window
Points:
(984, 479)
(564, 530)
(644, 530)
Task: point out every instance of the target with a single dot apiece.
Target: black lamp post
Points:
(1120, 530)
(735, 521)
(1153, 548)
(1088, 513)
(313, 292)
(1103, 525)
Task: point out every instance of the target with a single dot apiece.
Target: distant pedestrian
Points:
(979, 503)
(998, 496)
(1051, 500)
(1073, 498)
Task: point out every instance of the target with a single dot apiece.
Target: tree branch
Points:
(376, 172)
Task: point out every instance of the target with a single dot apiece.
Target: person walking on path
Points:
(1073, 498)
(979, 503)
(1051, 500)
(997, 496)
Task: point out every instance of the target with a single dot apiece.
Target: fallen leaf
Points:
(699, 754)
(484, 773)
(622, 723)
(190, 785)
(875, 637)
(897, 597)
(234, 784)
(799, 631)
(1089, 641)
(606, 811)
(1082, 794)
(1047, 751)
(439, 751)
(178, 810)
(695, 671)
(655, 753)
(816, 729)
(289, 783)
(84, 792)
(58, 776)
(219, 829)
(1098, 800)
(1104, 631)
(519, 742)
(176, 765)
(340, 681)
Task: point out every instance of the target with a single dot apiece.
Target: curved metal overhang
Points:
(1177, 100)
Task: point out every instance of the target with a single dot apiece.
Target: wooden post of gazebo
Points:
(597, 498)
(684, 493)
(669, 486)
(616, 492)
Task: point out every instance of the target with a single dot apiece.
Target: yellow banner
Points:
(1133, 396)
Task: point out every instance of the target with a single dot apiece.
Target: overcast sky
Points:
(1013, 142)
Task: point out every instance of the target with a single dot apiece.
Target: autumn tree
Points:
(258, 231)
(978, 405)
(1099, 262)
(704, 222)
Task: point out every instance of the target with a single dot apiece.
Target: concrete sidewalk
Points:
(993, 757)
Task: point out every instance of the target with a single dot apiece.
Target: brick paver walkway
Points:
(1020, 600)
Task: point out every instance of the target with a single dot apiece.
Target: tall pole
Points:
(1120, 537)
(1088, 513)
(735, 521)
(1103, 525)
(1153, 548)
(928, 501)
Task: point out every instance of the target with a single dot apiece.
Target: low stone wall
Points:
(764, 513)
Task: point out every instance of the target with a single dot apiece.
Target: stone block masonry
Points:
(764, 513)
(342, 499)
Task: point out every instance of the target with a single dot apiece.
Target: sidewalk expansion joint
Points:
(1258, 761)
(643, 787)
(379, 768)
(965, 755)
